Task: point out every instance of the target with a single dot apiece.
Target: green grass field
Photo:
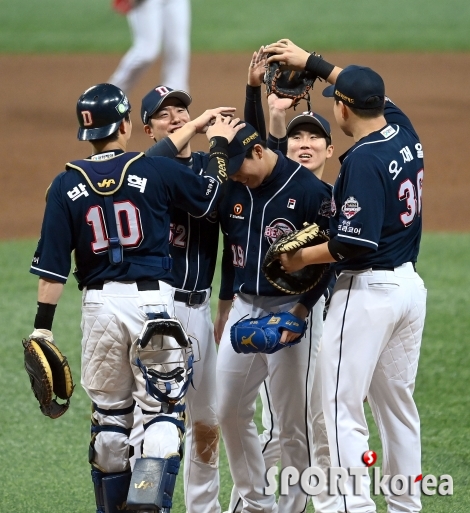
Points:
(45, 466)
(40, 26)
(44, 462)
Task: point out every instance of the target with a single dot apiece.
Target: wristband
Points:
(218, 146)
(318, 66)
(44, 316)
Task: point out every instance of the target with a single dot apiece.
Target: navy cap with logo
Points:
(358, 87)
(309, 117)
(152, 101)
(245, 139)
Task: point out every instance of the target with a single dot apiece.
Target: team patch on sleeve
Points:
(350, 207)
(349, 227)
(326, 208)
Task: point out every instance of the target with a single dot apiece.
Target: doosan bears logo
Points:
(276, 228)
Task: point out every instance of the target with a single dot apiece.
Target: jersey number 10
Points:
(129, 227)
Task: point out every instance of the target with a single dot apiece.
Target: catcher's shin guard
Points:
(152, 484)
(110, 490)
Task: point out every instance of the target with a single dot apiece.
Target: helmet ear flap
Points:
(100, 111)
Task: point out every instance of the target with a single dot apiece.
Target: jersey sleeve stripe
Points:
(43, 271)
(357, 238)
(212, 200)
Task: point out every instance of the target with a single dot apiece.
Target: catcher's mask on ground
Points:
(100, 111)
(154, 98)
(164, 354)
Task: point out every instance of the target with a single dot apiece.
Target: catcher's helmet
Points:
(100, 110)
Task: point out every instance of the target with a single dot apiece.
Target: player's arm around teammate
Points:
(257, 204)
(193, 245)
(124, 276)
(378, 305)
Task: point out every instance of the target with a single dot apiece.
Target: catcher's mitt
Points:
(49, 374)
(300, 281)
(288, 83)
(263, 335)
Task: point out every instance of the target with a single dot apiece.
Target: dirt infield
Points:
(38, 125)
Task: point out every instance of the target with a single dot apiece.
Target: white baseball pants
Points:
(201, 453)
(239, 377)
(157, 26)
(371, 346)
(112, 319)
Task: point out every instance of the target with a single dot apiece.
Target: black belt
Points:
(141, 285)
(192, 298)
(378, 268)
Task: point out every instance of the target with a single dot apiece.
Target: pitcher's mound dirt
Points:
(38, 124)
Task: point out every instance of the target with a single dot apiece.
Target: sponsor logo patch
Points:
(123, 106)
(349, 227)
(276, 228)
(388, 131)
(350, 207)
(237, 210)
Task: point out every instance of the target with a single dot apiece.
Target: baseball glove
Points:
(300, 281)
(288, 83)
(49, 374)
(263, 335)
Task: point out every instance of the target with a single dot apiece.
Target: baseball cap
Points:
(355, 85)
(312, 118)
(153, 99)
(246, 138)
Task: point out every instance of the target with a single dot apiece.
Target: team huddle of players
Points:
(254, 183)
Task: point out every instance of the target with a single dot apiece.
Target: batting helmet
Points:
(100, 111)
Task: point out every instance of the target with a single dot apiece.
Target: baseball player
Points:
(157, 26)
(375, 322)
(307, 140)
(193, 247)
(268, 193)
(111, 209)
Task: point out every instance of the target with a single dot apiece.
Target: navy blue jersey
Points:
(75, 218)
(377, 195)
(193, 240)
(252, 218)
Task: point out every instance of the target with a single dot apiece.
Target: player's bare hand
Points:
(300, 311)
(221, 318)
(291, 55)
(281, 104)
(257, 68)
(224, 127)
(292, 261)
(202, 122)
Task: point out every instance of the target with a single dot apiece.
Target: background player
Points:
(378, 305)
(157, 26)
(125, 275)
(193, 246)
(307, 140)
(268, 193)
